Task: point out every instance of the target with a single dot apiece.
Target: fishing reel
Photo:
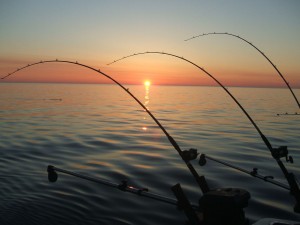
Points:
(190, 154)
(282, 152)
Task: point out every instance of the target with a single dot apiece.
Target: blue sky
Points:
(97, 32)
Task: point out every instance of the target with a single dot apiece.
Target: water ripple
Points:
(111, 138)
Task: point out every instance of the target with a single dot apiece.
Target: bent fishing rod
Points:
(263, 54)
(277, 153)
(199, 179)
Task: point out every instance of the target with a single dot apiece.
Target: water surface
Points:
(99, 130)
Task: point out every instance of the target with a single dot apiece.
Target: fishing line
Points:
(276, 153)
(199, 179)
(263, 54)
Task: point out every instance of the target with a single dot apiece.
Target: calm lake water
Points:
(99, 130)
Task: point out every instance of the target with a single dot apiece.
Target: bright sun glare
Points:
(147, 83)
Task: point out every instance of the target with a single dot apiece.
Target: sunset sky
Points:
(97, 32)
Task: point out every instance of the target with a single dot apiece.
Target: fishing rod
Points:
(123, 186)
(186, 155)
(277, 153)
(263, 54)
(182, 202)
(253, 173)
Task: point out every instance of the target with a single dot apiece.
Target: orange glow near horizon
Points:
(132, 73)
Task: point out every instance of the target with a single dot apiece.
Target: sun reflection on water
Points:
(147, 85)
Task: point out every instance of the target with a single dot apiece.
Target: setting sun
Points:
(147, 83)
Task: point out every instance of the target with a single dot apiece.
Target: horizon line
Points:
(187, 85)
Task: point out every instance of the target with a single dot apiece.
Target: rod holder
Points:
(224, 206)
(184, 203)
